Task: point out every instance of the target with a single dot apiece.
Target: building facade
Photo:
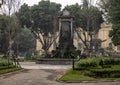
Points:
(102, 35)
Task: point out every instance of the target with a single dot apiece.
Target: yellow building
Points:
(103, 34)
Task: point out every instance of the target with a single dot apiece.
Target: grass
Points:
(81, 76)
(90, 69)
(76, 76)
(4, 66)
(10, 69)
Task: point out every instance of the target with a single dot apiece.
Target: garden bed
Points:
(6, 67)
(92, 69)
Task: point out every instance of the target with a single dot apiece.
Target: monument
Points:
(66, 33)
(62, 54)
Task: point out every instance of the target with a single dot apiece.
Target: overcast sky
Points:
(62, 2)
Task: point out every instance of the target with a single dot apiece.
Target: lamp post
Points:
(73, 61)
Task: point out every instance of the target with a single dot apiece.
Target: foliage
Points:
(105, 73)
(113, 14)
(4, 62)
(8, 70)
(3, 35)
(94, 74)
(22, 38)
(105, 6)
(24, 42)
(12, 26)
(24, 16)
(88, 63)
(41, 19)
(9, 7)
(4, 66)
(114, 33)
(97, 62)
(87, 18)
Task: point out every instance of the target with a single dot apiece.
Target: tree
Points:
(87, 17)
(104, 6)
(24, 16)
(45, 25)
(3, 35)
(111, 8)
(114, 14)
(9, 8)
(24, 43)
(41, 21)
(1, 2)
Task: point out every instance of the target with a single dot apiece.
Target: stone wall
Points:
(55, 61)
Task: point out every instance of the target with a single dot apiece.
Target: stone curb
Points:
(88, 81)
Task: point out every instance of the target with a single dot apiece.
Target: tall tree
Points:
(24, 43)
(111, 10)
(41, 21)
(87, 17)
(9, 8)
(105, 6)
(114, 16)
(3, 34)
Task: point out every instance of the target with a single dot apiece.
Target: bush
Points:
(111, 61)
(105, 73)
(97, 62)
(4, 62)
(88, 63)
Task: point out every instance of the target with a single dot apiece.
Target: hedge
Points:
(105, 73)
(97, 62)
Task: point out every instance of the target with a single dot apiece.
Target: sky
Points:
(62, 2)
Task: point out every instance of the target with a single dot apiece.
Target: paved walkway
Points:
(32, 65)
(39, 76)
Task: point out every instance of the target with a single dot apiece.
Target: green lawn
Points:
(76, 76)
(7, 70)
(91, 69)
(81, 76)
(4, 68)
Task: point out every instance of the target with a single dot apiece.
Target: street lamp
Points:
(73, 61)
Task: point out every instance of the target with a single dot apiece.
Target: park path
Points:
(33, 65)
(41, 77)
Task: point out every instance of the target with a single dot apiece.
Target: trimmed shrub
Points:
(105, 73)
(97, 62)
(88, 63)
